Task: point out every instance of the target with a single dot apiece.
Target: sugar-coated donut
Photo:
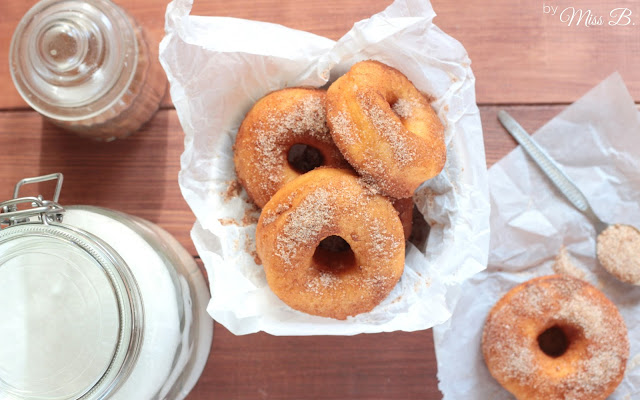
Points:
(556, 338)
(330, 203)
(385, 128)
(270, 129)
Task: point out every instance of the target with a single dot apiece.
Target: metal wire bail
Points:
(46, 211)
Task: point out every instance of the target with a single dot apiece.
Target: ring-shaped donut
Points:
(385, 128)
(275, 124)
(556, 337)
(330, 203)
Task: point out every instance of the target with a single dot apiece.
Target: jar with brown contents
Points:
(86, 67)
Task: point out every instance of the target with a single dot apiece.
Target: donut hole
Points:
(554, 341)
(304, 158)
(334, 254)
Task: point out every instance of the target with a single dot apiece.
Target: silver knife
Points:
(551, 169)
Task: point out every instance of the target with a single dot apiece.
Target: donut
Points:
(329, 246)
(556, 337)
(283, 126)
(385, 128)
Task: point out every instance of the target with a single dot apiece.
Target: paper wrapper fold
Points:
(219, 67)
(596, 141)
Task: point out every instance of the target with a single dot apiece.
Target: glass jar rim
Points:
(28, 246)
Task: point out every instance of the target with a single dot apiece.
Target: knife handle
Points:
(550, 168)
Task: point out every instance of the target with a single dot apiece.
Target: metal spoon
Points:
(623, 258)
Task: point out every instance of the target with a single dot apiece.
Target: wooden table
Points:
(525, 59)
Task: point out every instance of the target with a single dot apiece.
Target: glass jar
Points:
(86, 66)
(96, 304)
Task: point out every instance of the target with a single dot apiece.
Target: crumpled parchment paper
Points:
(219, 67)
(597, 143)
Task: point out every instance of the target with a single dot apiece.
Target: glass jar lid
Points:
(70, 314)
(73, 59)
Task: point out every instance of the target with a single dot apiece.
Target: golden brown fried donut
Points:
(275, 124)
(555, 338)
(337, 283)
(385, 128)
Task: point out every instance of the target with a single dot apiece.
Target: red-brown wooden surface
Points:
(525, 60)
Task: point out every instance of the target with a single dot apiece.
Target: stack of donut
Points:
(334, 173)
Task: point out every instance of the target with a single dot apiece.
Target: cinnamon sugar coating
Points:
(385, 128)
(274, 124)
(594, 361)
(619, 252)
(322, 203)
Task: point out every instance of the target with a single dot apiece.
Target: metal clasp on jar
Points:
(44, 211)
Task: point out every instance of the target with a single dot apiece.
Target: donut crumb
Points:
(251, 214)
(233, 190)
(227, 221)
(250, 248)
(564, 265)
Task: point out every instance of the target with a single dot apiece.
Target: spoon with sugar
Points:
(618, 245)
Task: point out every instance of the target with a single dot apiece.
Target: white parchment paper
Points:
(597, 142)
(219, 67)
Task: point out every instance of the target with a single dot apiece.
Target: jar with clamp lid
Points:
(96, 304)
(85, 65)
